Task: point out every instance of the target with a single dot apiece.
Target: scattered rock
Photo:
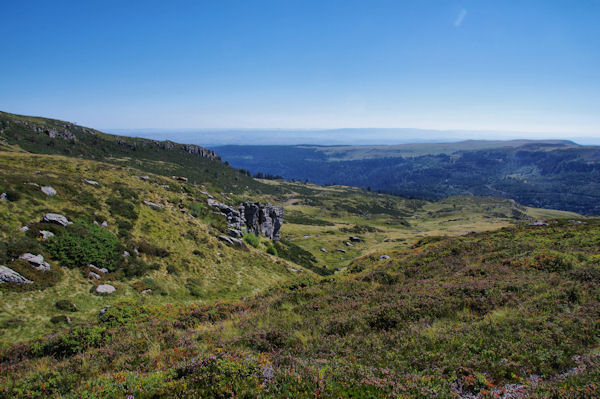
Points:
(49, 191)
(8, 275)
(538, 223)
(103, 310)
(92, 182)
(45, 234)
(341, 250)
(355, 239)
(105, 289)
(147, 291)
(32, 184)
(306, 236)
(324, 250)
(36, 261)
(94, 276)
(104, 224)
(3, 197)
(152, 204)
(231, 240)
(99, 270)
(383, 257)
(348, 244)
(24, 229)
(126, 254)
(180, 178)
(145, 178)
(56, 218)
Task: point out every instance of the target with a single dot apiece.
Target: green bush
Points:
(13, 196)
(80, 244)
(252, 239)
(272, 250)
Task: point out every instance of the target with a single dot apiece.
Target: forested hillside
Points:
(556, 175)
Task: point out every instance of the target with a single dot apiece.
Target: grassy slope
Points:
(480, 315)
(232, 274)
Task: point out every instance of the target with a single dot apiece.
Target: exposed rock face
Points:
(258, 219)
(37, 261)
(8, 275)
(266, 219)
(56, 218)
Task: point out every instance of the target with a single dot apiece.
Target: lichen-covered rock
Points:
(56, 218)
(8, 275)
(36, 261)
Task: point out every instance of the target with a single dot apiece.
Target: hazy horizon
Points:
(342, 136)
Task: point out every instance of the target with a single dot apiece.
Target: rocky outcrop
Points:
(203, 152)
(231, 241)
(255, 217)
(263, 219)
(8, 275)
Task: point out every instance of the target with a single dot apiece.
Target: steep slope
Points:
(180, 256)
(513, 313)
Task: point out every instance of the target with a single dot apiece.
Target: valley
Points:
(365, 294)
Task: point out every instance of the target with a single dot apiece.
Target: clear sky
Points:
(517, 65)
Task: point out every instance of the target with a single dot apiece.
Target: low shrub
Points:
(252, 239)
(80, 244)
(152, 250)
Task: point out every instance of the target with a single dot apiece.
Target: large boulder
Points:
(105, 289)
(36, 261)
(8, 275)
(56, 218)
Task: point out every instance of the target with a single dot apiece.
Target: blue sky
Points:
(498, 65)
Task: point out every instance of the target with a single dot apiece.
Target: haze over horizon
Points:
(465, 65)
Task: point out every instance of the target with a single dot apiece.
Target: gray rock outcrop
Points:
(56, 218)
(152, 204)
(256, 218)
(8, 275)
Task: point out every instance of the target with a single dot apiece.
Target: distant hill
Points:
(51, 136)
(549, 174)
